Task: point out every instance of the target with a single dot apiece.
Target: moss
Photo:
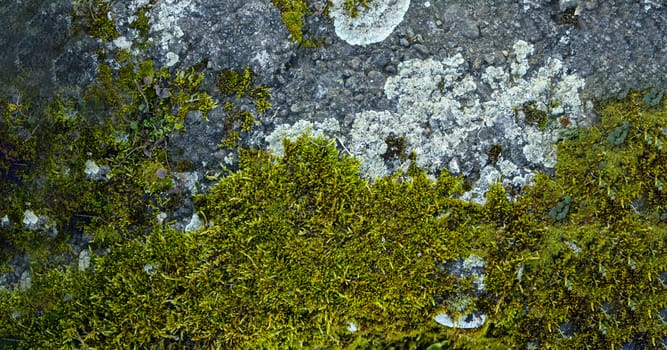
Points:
(568, 16)
(140, 24)
(122, 123)
(156, 177)
(293, 13)
(494, 152)
(299, 246)
(395, 148)
(354, 6)
(617, 177)
(93, 17)
(241, 85)
(534, 116)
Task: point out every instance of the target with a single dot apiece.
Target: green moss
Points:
(395, 148)
(568, 16)
(354, 6)
(299, 246)
(534, 116)
(494, 152)
(121, 123)
(93, 17)
(293, 13)
(241, 84)
(613, 178)
(140, 24)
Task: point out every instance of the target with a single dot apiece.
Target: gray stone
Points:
(566, 4)
(469, 321)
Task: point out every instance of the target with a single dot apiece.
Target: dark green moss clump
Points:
(494, 152)
(241, 85)
(534, 116)
(354, 6)
(396, 148)
(568, 16)
(92, 16)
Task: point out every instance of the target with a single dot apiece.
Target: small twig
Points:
(142, 94)
(345, 148)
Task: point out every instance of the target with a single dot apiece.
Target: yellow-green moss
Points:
(140, 24)
(241, 85)
(293, 13)
(354, 6)
(122, 123)
(93, 17)
(297, 247)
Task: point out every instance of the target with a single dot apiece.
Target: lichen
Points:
(364, 22)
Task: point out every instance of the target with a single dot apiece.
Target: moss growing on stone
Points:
(299, 247)
(140, 24)
(569, 16)
(293, 14)
(534, 116)
(91, 161)
(354, 6)
(396, 148)
(241, 85)
(494, 152)
(93, 16)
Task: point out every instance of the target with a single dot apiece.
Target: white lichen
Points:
(92, 170)
(164, 20)
(441, 116)
(372, 25)
(25, 281)
(172, 59)
(448, 123)
(194, 224)
(650, 4)
(466, 322)
(30, 219)
(84, 260)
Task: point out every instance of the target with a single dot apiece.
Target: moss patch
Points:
(241, 85)
(297, 247)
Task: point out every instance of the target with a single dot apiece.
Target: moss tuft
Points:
(241, 84)
(300, 246)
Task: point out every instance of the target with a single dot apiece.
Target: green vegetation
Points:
(293, 13)
(354, 6)
(92, 16)
(120, 124)
(395, 148)
(569, 16)
(534, 116)
(140, 24)
(241, 85)
(297, 247)
(494, 152)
